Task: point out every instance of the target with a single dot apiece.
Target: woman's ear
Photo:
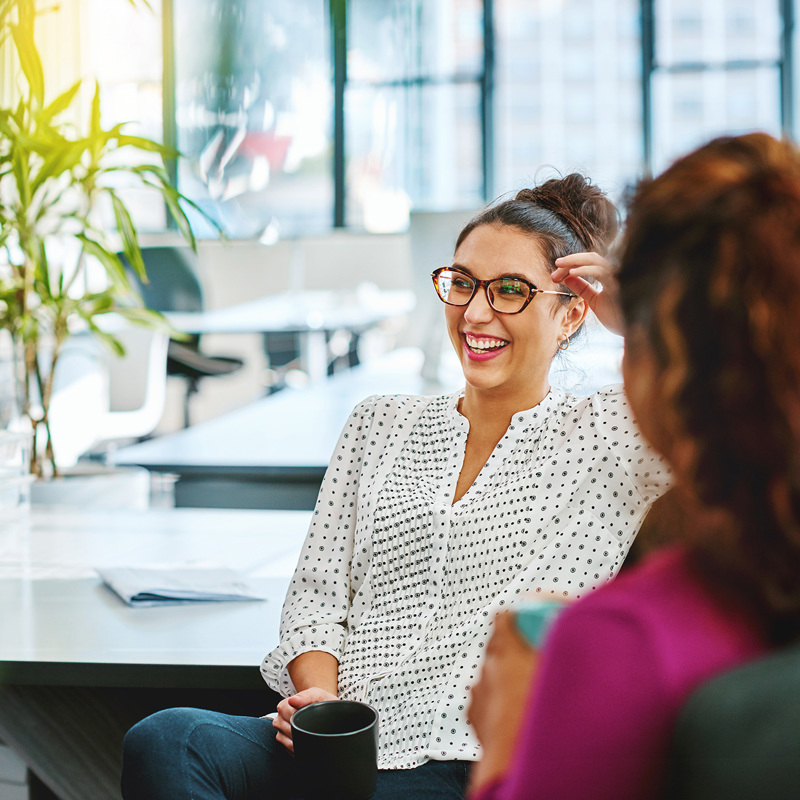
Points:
(575, 315)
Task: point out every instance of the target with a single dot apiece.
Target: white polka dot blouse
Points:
(400, 584)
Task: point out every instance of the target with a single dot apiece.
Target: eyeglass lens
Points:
(505, 295)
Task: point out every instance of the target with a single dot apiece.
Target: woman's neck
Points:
(493, 410)
(489, 414)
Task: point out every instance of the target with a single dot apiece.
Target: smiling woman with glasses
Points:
(436, 512)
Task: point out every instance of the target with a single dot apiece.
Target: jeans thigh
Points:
(434, 780)
(193, 754)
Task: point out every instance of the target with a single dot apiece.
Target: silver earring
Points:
(564, 344)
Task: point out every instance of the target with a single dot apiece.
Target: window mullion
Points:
(338, 12)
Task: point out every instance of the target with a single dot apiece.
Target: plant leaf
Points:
(94, 124)
(43, 269)
(59, 160)
(178, 214)
(148, 318)
(29, 60)
(107, 338)
(142, 143)
(19, 165)
(130, 242)
(60, 104)
(111, 261)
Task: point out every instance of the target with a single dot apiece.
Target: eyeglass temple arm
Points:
(550, 291)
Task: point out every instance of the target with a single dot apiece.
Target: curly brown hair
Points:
(710, 280)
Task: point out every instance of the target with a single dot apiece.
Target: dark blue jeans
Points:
(192, 754)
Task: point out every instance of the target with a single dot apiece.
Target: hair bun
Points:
(581, 205)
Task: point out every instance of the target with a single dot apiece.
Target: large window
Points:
(413, 109)
(297, 115)
(568, 89)
(122, 46)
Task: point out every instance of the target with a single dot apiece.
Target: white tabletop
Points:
(302, 311)
(61, 625)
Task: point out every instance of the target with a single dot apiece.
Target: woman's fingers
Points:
(585, 265)
(576, 260)
(285, 741)
(498, 699)
(281, 722)
(575, 271)
(308, 696)
(287, 707)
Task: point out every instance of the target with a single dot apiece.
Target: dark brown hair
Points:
(710, 281)
(567, 215)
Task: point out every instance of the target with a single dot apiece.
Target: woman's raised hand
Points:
(573, 269)
(289, 705)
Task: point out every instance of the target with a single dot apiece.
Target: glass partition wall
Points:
(253, 108)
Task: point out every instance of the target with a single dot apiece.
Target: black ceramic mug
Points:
(336, 748)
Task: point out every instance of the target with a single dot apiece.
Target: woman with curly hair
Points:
(710, 293)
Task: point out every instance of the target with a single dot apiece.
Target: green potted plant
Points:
(54, 178)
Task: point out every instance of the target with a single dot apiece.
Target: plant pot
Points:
(95, 486)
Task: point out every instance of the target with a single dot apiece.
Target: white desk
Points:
(62, 626)
(78, 666)
(299, 312)
(312, 314)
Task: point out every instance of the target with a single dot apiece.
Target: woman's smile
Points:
(480, 347)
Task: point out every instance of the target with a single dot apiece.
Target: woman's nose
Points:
(478, 309)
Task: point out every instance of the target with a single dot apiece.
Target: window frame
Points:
(650, 67)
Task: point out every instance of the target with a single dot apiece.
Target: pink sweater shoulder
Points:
(616, 668)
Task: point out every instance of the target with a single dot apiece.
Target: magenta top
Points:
(616, 668)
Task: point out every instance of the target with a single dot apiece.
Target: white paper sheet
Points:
(157, 586)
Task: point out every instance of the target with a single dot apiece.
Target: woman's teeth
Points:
(483, 344)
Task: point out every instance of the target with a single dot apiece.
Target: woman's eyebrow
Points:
(511, 275)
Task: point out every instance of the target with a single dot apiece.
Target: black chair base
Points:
(189, 363)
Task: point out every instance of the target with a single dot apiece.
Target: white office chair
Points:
(137, 386)
(99, 397)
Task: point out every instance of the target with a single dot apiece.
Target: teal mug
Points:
(534, 618)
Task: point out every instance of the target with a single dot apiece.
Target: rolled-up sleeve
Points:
(318, 599)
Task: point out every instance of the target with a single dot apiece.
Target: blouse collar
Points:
(529, 418)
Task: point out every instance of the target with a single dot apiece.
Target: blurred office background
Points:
(318, 134)
(313, 130)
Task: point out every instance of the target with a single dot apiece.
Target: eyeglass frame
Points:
(534, 289)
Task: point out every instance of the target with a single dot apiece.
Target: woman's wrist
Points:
(316, 669)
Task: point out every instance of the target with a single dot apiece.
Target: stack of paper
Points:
(157, 586)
